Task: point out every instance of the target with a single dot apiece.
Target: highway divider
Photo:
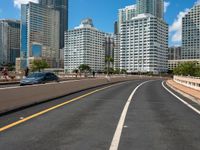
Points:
(21, 97)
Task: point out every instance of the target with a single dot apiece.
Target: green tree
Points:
(38, 65)
(186, 69)
(123, 71)
(84, 68)
(108, 61)
(197, 70)
(117, 71)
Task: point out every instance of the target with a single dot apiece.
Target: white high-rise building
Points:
(84, 45)
(126, 14)
(144, 44)
(191, 34)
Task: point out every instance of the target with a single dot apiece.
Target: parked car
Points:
(39, 78)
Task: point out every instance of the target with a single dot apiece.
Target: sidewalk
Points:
(192, 94)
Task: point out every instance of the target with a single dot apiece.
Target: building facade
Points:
(84, 45)
(191, 34)
(62, 7)
(174, 53)
(116, 51)
(144, 44)
(9, 41)
(126, 14)
(154, 7)
(39, 34)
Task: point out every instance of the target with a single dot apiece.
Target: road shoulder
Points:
(189, 93)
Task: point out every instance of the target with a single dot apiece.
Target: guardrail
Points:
(191, 82)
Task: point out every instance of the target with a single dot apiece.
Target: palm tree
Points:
(108, 60)
(84, 68)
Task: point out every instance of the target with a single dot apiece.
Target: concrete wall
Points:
(191, 82)
(14, 98)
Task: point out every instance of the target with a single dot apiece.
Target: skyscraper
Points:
(154, 7)
(62, 7)
(126, 14)
(84, 45)
(39, 34)
(144, 44)
(144, 39)
(9, 41)
(191, 34)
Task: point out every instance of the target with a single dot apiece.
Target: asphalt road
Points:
(155, 120)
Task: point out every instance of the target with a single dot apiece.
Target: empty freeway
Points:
(134, 115)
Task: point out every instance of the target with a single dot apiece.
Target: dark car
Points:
(39, 78)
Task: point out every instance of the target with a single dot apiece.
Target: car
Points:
(39, 78)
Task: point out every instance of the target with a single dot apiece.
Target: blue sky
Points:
(104, 13)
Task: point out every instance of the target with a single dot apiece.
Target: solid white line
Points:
(184, 102)
(118, 132)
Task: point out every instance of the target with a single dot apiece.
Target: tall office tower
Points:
(154, 7)
(144, 44)
(39, 34)
(126, 14)
(191, 34)
(174, 53)
(84, 45)
(62, 7)
(116, 29)
(109, 45)
(9, 41)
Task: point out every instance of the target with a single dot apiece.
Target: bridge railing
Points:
(188, 81)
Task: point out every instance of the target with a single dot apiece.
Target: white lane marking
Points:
(118, 132)
(184, 102)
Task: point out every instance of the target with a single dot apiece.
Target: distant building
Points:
(144, 44)
(175, 63)
(191, 34)
(39, 34)
(117, 51)
(62, 7)
(126, 14)
(109, 47)
(154, 7)
(84, 45)
(9, 41)
(116, 28)
(174, 53)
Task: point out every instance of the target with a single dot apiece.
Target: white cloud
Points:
(17, 3)
(176, 28)
(197, 2)
(166, 5)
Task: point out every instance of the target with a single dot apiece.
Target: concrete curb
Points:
(191, 97)
(9, 83)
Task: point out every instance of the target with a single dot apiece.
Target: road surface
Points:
(134, 115)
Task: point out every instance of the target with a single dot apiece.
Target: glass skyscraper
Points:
(62, 7)
(39, 34)
(154, 7)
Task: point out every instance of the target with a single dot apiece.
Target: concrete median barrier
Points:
(15, 98)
